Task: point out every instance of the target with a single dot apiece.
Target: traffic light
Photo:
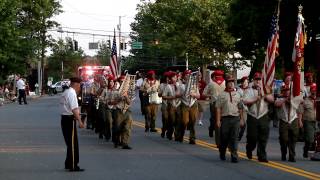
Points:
(70, 45)
(123, 46)
(109, 44)
(75, 45)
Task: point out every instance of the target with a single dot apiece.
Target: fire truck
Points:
(91, 77)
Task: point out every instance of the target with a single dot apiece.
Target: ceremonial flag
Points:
(272, 52)
(298, 56)
(113, 59)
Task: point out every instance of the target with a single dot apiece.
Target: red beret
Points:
(166, 74)
(218, 72)
(171, 74)
(313, 87)
(287, 74)
(308, 74)
(122, 77)
(187, 72)
(151, 72)
(257, 75)
(244, 78)
(110, 77)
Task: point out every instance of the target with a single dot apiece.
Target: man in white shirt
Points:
(21, 88)
(70, 114)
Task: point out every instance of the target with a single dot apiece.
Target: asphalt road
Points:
(32, 148)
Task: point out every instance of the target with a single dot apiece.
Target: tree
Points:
(61, 53)
(170, 29)
(104, 53)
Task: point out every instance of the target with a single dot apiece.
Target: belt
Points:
(67, 115)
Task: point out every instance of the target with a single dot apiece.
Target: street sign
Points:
(93, 45)
(136, 45)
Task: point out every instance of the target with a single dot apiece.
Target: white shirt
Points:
(68, 101)
(139, 83)
(21, 84)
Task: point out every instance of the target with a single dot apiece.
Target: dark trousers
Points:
(257, 135)
(22, 94)
(69, 130)
(213, 123)
(309, 132)
(229, 131)
(288, 137)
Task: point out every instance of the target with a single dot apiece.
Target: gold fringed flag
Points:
(298, 56)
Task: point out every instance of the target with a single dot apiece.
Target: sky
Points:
(95, 17)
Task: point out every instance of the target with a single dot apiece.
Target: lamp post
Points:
(187, 62)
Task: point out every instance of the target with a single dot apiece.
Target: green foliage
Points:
(170, 29)
(104, 53)
(62, 53)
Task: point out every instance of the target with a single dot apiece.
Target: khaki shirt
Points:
(258, 109)
(187, 100)
(288, 112)
(228, 107)
(172, 90)
(213, 90)
(161, 90)
(150, 86)
(308, 109)
(111, 95)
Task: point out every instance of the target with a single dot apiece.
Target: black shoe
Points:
(67, 167)
(153, 130)
(249, 154)
(162, 134)
(234, 160)
(222, 157)
(100, 136)
(283, 158)
(76, 169)
(263, 160)
(192, 142)
(292, 159)
(210, 133)
(126, 147)
(146, 130)
(305, 154)
(169, 137)
(115, 145)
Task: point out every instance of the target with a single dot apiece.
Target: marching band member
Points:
(202, 84)
(229, 119)
(244, 87)
(212, 91)
(258, 119)
(150, 88)
(164, 107)
(287, 107)
(189, 107)
(308, 109)
(171, 98)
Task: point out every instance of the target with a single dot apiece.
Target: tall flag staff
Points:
(272, 52)
(298, 55)
(113, 59)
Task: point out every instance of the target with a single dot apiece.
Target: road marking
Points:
(243, 155)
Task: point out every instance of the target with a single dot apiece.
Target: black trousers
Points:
(69, 130)
(22, 94)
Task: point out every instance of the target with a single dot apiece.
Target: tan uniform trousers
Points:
(174, 114)
(151, 116)
(165, 115)
(187, 121)
(123, 125)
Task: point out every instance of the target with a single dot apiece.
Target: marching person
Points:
(212, 91)
(244, 87)
(70, 116)
(202, 84)
(289, 124)
(229, 119)
(150, 88)
(171, 96)
(164, 107)
(308, 111)
(138, 86)
(189, 107)
(258, 118)
(22, 92)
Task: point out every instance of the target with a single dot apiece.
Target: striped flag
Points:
(113, 59)
(298, 56)
(272, 52)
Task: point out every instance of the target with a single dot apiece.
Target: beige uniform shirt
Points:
(230, 103)
(172, 90)
(213, 90)
(186, 99)
(161, 90)
(258, 109)
(308, 109)
(288, 112)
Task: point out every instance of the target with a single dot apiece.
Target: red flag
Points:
(298, 56)
(113, 59)
(272, 52)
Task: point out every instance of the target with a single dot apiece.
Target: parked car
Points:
(60, 86)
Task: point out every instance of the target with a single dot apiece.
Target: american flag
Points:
(113, 59)
(297, 56)
(272, 52)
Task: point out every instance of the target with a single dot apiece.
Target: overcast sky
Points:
(95, 15)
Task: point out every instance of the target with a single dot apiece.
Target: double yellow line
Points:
(273, 164)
